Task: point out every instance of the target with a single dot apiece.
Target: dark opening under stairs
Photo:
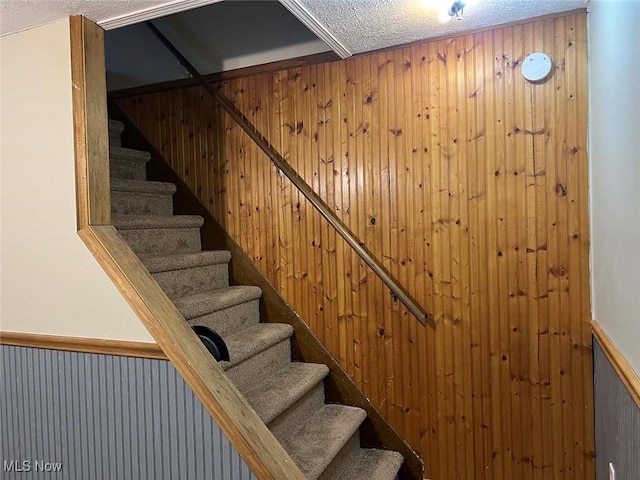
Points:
(323, 439)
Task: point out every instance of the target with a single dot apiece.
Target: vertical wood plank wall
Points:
(471, 185)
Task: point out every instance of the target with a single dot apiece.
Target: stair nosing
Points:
(129, 154)
(115, 126)
(156, 222)
(358, 416)
(317, 373)
(281, 332)
(254, 294)
(385, 456)
(183, 261)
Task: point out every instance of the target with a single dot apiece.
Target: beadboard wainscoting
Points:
(617, 422)
(104, 416)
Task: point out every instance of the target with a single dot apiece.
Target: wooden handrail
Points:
(305, 347)
(397, 291)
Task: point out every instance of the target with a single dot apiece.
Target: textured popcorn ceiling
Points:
(364, 25)
(349, 26)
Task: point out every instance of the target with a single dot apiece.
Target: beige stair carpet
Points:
(289, 397)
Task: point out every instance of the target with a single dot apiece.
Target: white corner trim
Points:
(316, 27)
(150, 13)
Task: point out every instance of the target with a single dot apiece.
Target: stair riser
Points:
(189, 281)
(254, 369)
(342, 459)
(134, 170)
(163, 241)
(232, 319)
(114, 139)
(296, 414)
(130, 203)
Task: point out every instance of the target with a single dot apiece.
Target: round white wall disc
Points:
(536, 67)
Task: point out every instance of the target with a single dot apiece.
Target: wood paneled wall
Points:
(471, 185)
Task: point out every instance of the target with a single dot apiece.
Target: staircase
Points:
(322, 439)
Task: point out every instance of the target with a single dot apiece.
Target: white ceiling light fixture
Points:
(446, 9)
(455, 10)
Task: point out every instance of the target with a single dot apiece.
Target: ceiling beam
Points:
(150, 13)
(312, 23)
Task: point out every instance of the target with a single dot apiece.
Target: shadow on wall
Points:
(218, 37)
(134, 57)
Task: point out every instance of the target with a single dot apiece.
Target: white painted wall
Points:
(614, 134)
(50, 282)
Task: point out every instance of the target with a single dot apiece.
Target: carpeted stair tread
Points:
(371, 464)
(143, 222)
(321, 437)
(116, 127)
(284, 388)
(253, 340)
(142, 186)
(166, 263)
(288, 396)
(121, 153)
(193, 306)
